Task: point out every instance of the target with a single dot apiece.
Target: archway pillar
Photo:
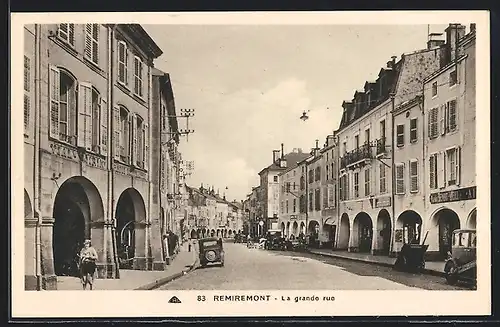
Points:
(140, 257)
(100, 236)
(156, 244)
(49, 279)
(376, 246)
(30, 279)
(353, 240)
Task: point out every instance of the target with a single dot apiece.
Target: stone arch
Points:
(471, 219)
(77, 204)
(444, 222)
(344, 232)
(130, 213)
(383, 237)
(362, 233)
(28, 208)
(410, 223)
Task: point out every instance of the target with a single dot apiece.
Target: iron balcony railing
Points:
(381, 146)
(359, 154)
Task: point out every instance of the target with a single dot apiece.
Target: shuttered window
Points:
(413, 176)
(433, 171)
(453, 166)
(367, 182)
(331, 195)
(66, 32)
(452, 115)
(96, 126)
(326, 191)
(400, 178)
(317, 199)
(433, 123)
(400, 135)
(122, 63)
(413, 130)
(63, 111)
(92, 43)
(356, 185)
(27, 93)
(138, 71)
(382, 179)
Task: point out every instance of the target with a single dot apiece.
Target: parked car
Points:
(461, 261)
(274, 240)
(211, 251)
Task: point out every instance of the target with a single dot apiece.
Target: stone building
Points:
(313, 195)
(88, 100)
(366, 151)
(329, 216)
(289, 200)
(450, 141)
(254, 211)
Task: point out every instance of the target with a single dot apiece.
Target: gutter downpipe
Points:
(36, 162)
(393, 175)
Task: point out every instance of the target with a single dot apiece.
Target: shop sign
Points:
(463, 194)
(383, 202)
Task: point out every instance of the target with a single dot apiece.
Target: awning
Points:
(330, 221)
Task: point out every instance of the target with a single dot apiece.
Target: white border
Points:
(352, 303)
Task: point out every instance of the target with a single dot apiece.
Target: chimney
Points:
(435, 40)
(276, 155)
(454, 32)
(472, 27)
(282, 151)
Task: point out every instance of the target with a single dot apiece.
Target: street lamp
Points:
(304, 116)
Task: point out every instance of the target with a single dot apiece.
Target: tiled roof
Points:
(292, 159)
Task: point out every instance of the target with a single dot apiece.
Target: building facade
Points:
(89, 150)
(289, 200)
(450, 141)
(329, 216)
(313, 193)
(365, 184)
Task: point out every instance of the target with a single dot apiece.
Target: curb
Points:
(373, 262)
(167, 279)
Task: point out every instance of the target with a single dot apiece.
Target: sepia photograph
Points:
(258, 163)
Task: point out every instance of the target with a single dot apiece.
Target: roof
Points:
(142, 39)
(292, 160)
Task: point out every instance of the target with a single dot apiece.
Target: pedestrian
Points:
(166, 252)
(88, 258)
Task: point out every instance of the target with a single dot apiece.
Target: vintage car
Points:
(274, 240)
(211, 251)
(461, 261)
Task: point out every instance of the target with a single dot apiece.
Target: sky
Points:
(249, 84)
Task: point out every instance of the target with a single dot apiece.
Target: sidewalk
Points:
(137, 279)
(431, 267)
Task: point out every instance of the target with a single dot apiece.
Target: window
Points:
(27, 93)
(327, 172)
(344, 146)
(332, 171)
(413, 176)
(286, 206)
(311, 176)
(317, 199)
(433, 171)
(382, 129)
(122, 63)
(434, 89)
(413, 130)
(367, 181)
(124, 140)
(302, 182)
(96, 109)
(66, 32)
(356, 184)
(452, 116)
(310, 201)
(138, 70)
(92, 43)
(164, 116)
(325, 196)
(400, 178)
(282, 207)
(400, 135)
(62, 106)
(453, 166)
(317, 173)
(356, 142)
(453, 78)
(367, 136)
(302, 203)
(275, 178)
(382, 179)
(139, 140)
(433, 122)
(294, 205)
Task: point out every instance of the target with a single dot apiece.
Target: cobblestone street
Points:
(260, 269)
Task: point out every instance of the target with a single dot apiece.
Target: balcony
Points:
(356, 156)
(381, 146)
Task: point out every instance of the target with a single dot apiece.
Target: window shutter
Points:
(441, 164)
(432, 172)
(134, 156)
(413, 176)
(442, 118)
(104, 126)
(95, 43)
(84, 136)
(54, 85)
(458, 163)
(116, 132)
(71, 34)
(122, 72)
(127, 138)
(146, 145)
(88, 41)
(26, 112)
(400, 187)
(452, 115)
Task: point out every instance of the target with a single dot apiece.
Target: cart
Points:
(412, 257)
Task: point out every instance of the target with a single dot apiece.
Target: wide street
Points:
(247, 269)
